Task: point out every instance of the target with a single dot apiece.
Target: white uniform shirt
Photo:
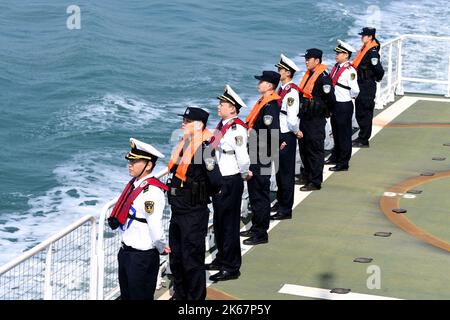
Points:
(289, 120)
(348, 78)
(232, 150)
(145, 236)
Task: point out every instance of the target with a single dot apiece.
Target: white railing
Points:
(437, 65)
(62, 267)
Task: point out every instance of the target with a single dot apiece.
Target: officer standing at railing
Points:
(138, 213)
(234, 162)
(195, 178)
(367, 63)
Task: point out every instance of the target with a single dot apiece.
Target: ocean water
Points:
(71, 99)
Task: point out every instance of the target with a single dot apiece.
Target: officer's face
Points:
(341, 57)
(264, 86)
(284, 74)
(225, 109)
(311, 63)
(366, 39)
(136, 166)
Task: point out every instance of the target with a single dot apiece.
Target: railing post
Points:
(448, 77)
(389, 78)
(378, 103)
(94, 264)
(48, 290)
(399, 89)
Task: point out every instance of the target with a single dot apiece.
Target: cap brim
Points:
(279, 65)
(258, 77)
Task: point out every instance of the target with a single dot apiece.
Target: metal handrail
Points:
(47, 245)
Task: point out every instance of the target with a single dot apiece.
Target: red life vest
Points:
(120, 212)
(283, 92)
(335, 77)
(214, 142)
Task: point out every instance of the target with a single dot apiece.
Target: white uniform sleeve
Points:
(353, 83)
(155, 199)
(292, 110)
(240, 148)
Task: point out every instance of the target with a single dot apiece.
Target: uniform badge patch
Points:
(326, 88)
(374, 61)
(209, 162)
(353, 76)
(239, 140)
(268, 120)
(290, 101)
(149, 206)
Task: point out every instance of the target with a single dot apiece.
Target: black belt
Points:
(137, 219)
(128, 248)
(342, 86)
(227, 152)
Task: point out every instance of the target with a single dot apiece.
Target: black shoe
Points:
(330, 161)
(255, 240)
(275, 207)
(225, 275)
(279, 216)
(247, 233)
(339, 168)
(359, 144)
(212, 266)
(310, 187)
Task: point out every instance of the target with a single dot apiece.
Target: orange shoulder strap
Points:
(362, 52)
(195, 142)
(307, 86)
(253, 115)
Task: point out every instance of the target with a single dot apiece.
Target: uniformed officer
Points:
(234, 162)
(346, 88)
(195, 178)
(289, 132)
(368, 64)
(264, 129)
(316, 101)
(138, 213)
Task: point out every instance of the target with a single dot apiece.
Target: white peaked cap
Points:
(286, 62)
(341, 45)
(142, 150)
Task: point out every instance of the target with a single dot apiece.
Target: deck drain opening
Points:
(414, 191)
(438, 158)
(340, 290)
(382, 234)
(399, 210)
(363, 260)
(427, 174)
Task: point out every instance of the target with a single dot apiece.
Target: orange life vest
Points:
(195, 142)
(306, 86)
(362, 52)
(253, 115)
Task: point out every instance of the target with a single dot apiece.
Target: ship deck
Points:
(314, 252)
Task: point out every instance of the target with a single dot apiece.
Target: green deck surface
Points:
(333, 226)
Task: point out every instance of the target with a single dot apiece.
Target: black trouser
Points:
(138, 273)
(364, 105)
(286, 173)
(227, 219)
(187, 234)
(312, 148)
(341, 123)
(259, 196)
